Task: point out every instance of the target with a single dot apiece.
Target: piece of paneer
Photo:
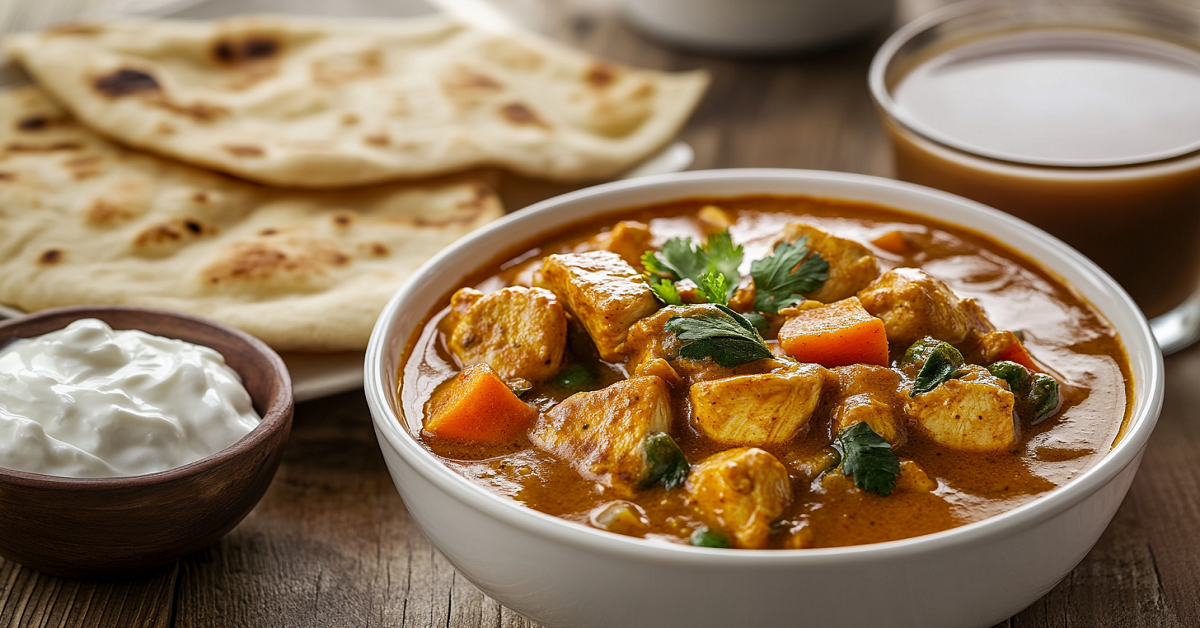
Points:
(603, 292)
(602, 434)
(520, 332)
(766, 409)
(972, 412)
(629, 239)
(914, 304)
(852, 266)
(870, 394)
(649, 341)
(740, 492)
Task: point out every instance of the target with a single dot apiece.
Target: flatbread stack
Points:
(282, 104)
(319, 103)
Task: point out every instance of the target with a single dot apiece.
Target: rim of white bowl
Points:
(1140, 346)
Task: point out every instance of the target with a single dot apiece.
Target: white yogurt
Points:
(89, 402)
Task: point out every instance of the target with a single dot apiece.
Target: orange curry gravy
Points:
(1061, 330)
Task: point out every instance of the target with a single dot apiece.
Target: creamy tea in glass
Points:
(1082, 118)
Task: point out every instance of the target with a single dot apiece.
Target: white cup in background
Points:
(757, 27)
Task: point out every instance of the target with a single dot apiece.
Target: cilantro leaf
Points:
(715, 288)
(677, 259)
(720, 334)
(869, 458)
(791, 270)
(759, 321)
(680, 259)
(724, 258)
(665, 290)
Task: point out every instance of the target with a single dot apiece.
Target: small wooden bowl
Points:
(108, 527)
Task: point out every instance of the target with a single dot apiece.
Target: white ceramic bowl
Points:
(757, 27)
(564, 574)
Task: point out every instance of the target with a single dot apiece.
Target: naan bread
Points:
(321, 103)
(85, 221)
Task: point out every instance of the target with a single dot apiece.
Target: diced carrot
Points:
(1002, 344)
(478, 406)
(838, 334)
(1016, 352)
(893, 242)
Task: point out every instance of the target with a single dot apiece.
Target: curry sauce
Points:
(948, 486)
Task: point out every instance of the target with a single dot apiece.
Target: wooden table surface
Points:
(331, 544)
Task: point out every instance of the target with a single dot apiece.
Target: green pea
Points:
(1016, 375)
(665, 462)
(1043, 398)
(705, 537)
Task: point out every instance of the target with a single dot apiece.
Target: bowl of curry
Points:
(748, 396)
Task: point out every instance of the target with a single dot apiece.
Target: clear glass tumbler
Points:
(1081, 117)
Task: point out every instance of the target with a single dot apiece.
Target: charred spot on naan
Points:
(248, 49)
(600, 75)
(36, 122)
(467, 87)
(520, 114)
(167, 236)
(377, 139)
(295, 264)
(8, 176)
(126, 81)
(343, 219)
(375, 249)
(50, 257)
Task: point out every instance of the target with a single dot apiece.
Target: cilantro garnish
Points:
(680, 258)
(665, 290)
(869, 458)
(715, 288)
(721, 334)
(792, 269)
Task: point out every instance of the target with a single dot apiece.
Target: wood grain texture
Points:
(332, 545)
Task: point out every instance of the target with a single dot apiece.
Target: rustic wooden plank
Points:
(1117, 584)
(1166, 492)
(31, 598)
(331, 544)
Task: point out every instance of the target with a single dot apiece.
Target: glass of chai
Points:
(1079, 116)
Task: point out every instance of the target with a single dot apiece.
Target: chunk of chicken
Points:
(713, 219)
(603, 292)
(519, 332)
(914, 304)
(870, 394)
(602, 434)
(629, 239)
(649, 341)
(757, 409)
(460, 304)
(973, 412)
(914, 479)
(852, 266)
(740, 492)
